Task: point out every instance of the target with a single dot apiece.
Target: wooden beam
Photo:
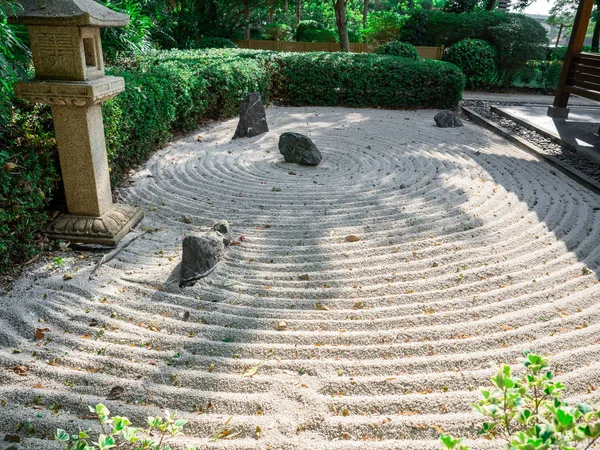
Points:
(582, 19)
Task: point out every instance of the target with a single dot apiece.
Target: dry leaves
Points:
(251, 371)
(352, 238)
(67, 276)
(304, 277)
(40, 333)
(9, 166)
(282, 325)
(20, 370)
(321, 307)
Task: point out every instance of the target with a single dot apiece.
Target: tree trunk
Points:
(596, 35)
(298, 10)
(271, 13)
(246, 13)
(365, 13)
(286, 6)
(559, 33)
(341, 20)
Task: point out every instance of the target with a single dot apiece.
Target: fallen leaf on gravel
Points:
(88, 417)
(352, 238)
(67, 276)
(282, 325)
(340, 372)
(12, 438)
(258, 432)
(8, 166)
(291, 172)
(38, 386)
(321, 307)
(304, 277)
(40, 333)
(439, 429)
(93, 323)
(251, 371)
(186, 219)
(360, 305)
(235, 243)
(186, 315)
(20, 370)
(116, 393)
(506, 327)
(211, 368)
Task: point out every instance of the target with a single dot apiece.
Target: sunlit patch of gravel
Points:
(470, 251)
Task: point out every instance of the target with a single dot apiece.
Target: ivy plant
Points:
(117, 433)
(528, 412)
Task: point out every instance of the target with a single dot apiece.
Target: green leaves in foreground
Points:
(526, 410)
(117, 433)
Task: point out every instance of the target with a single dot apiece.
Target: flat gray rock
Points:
(297, 148)
(447, 119)
(253, 117)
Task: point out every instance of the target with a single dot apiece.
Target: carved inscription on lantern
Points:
(56, 53)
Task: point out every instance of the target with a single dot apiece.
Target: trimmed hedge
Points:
(397, 48)
(366, 80)
(476, 59)
(174, 91)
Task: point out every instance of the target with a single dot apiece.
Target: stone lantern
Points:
(69, 76)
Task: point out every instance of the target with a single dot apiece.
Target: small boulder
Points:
(297, 148)
(200, 255)
(448, 119)
(253, 118)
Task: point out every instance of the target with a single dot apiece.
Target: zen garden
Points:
(299, 224)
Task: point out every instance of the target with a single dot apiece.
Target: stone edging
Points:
(533, 149)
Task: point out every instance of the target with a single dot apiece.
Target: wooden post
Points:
(582, 19)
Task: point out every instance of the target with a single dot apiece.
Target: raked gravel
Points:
(470, 252)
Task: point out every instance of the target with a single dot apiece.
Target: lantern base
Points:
(108, 229)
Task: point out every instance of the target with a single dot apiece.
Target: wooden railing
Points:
(281, 46)
(584, 76)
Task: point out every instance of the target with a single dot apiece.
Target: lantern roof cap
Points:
(67, 13)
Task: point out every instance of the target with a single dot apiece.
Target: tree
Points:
(341, 20)
(365, 13)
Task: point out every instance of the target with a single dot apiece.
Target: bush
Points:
(277, 32)
(401, 49)
(528, 412)
(174, 91)
(215, 42)
(312, 31)
(366, 80)
(460, 6)
(383, 26)
(560, 53)
(517, 38)
(476, 59)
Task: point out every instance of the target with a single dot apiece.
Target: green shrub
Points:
(550, 74)
(528, 412)
(118, 432)
(476, 59)
(277, 32)
(365, 80)
(215, 42)
(460, 6)
(383, 26)
(560, 53)
(174, 91)
(313, 31)
(397, 48)
(517, 38)
(28, 178)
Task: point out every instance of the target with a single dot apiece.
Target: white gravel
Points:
(470, 251)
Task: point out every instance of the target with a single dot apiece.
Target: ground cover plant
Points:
(117, 432)
(527, 411)
(174, 91)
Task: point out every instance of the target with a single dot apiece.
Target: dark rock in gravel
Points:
(297, 148)
(201, 254)
(447, 119)
(253, 118)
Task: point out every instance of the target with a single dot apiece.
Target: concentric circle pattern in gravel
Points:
(470, 251)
